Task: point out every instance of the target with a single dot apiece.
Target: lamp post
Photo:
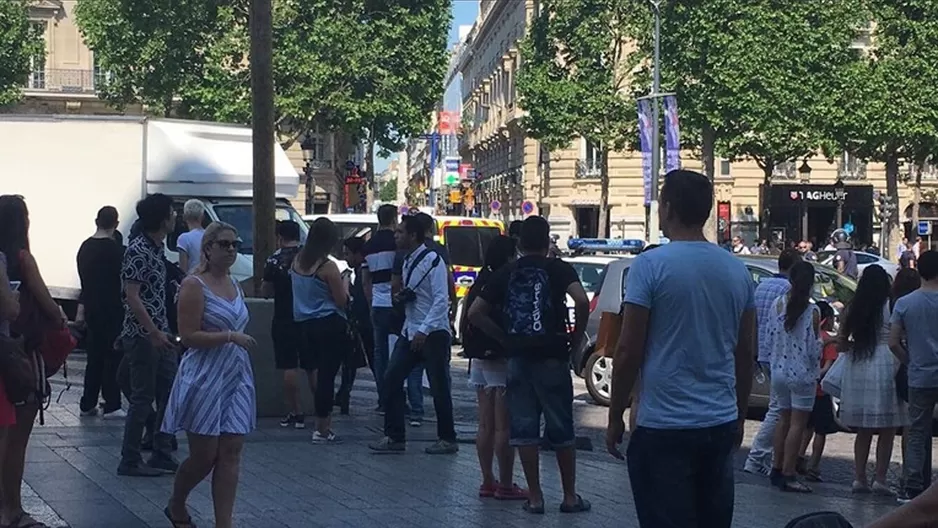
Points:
(840, 194)
(804, 172)
(308, 146)
(654, 229)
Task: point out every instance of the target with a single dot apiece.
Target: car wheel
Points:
(598, 376)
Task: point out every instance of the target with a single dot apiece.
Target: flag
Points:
(672, 135)
(645, 129)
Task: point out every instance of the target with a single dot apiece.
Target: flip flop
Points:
(530, 508)
(186, 523)
(581, 505)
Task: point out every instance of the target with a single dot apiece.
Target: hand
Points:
(243, 340)
(615, 432)
(740, 431)
(418, 341)
(160, 340)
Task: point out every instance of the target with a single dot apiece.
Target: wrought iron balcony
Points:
(586, 171)
(65, 81)
(852, 171)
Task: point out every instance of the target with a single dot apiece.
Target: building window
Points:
(851, 167)
(590, 163)
(725, 166)
(785, 170)
(100, 77)
(37, 65)
(320, 157)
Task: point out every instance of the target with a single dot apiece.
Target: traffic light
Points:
(887, 206)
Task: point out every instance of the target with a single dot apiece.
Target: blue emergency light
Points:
(605, 245)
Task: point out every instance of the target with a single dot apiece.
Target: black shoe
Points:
(163, 463)
(776, 478)
(342, 402)
(138, 470)
(174, 444)
(297, 421)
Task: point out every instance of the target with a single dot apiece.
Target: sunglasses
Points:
(228, 244)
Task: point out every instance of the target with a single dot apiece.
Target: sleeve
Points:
(270, 269)
(565, 274)
(493, 292)
(898, 312)
(134, 265)
(440, 289)
(640, 283)
(398, 267)
(830, 352)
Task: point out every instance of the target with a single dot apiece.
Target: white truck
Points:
(67, 167)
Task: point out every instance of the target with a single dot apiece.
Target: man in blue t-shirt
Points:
(689, 325)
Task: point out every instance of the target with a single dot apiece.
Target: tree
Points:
(576, 79)
(20, 43)
(888, 101)
(388, 192)
(756, 79)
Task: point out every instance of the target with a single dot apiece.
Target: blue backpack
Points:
(529, 311)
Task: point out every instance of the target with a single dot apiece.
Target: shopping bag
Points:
(833, 380)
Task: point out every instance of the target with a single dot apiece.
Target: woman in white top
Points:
(796, 357)
(189, 244)
(868, 399)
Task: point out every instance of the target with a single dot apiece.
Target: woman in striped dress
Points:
(213, 397)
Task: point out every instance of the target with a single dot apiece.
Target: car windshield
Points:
(241, 216)
(591, 275)
(832, 286)
(348, 230)
(467, 244)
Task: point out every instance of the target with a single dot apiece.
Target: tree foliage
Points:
(19, 43)
(388, 192)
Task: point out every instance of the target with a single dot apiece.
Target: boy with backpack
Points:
(523, 306)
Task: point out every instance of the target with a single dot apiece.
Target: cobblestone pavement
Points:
(286, 481)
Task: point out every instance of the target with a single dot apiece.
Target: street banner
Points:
(645, 129)
(672, 135)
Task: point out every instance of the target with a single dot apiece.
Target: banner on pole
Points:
(645, 129)
(672, 135)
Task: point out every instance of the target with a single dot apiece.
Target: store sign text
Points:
(818, 196)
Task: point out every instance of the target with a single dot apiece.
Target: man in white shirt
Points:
(425, 339)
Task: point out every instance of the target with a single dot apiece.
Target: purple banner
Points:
(672, 135)
(645, 129)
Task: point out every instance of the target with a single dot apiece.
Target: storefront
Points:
(809, 212)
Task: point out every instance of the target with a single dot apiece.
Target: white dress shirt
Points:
(429, 312)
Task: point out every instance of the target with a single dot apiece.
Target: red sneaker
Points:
(487, 492)
(512, 493)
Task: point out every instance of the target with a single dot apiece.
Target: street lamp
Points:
(840, 194)
(805, 171)
(308, 146)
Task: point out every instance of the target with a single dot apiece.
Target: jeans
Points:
(760, 454)
(683, 478)
(151, 375)
(381, 320)
(101, 370)
(536, 387)
(917, 452)
(435, 356)
(415, 392)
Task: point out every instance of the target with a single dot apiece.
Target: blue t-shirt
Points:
(916, 313)
(696, 293)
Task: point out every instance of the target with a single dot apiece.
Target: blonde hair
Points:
(193, 210)
(210, 236)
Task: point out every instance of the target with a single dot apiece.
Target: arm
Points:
(628, 357)
(481, 318)
(828, 363)
(581, 309)
(745, 347)
(183, 259)
(396, 281)
(896, 333)
(37, 287)
(920, 512)
(367, 285)
(267, 289)
(9, 305)
(440, 303)
(330, 274)
(270, 275)
(191, 306)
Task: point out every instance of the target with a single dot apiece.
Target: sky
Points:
(464, 14)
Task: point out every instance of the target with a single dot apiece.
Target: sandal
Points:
(487, 492)
(794, 486)
(581, 505)
(813, 475)
(514, 492)
(530, 508)
(186, 523)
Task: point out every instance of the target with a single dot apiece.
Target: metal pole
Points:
(654, 229)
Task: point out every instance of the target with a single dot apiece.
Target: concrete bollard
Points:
(268, 381)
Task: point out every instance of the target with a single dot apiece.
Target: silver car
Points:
(863, 261)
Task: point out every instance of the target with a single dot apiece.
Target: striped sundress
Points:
(213, 393)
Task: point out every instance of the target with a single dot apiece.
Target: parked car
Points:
(863, 260)
(592, 359)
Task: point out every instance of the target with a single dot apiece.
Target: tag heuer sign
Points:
(815, 196)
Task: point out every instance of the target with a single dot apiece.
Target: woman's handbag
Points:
(833, 380)
(17, 370)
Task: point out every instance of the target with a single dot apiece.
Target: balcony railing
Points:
(584, 170)
(65, 81)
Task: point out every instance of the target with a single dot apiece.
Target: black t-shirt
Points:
(277, 272)
(560, 274)
(99, 268)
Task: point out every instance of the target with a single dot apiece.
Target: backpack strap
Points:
(410, 272)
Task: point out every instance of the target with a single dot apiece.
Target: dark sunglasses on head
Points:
(228, 244)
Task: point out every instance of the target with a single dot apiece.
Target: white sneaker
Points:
(117, 414)
(328, 438)
(756, 469)
(89, 413)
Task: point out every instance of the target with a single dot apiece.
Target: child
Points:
(821, 423)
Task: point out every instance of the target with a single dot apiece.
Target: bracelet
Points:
(229, 336)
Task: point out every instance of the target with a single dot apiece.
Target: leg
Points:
(435, 355)
(793, 438)
(142, 361)
(485, 437)
(921, 407)
(760, 454)
(15, 440)
(524, 412)
(401, 364)
(203, 453)
(662, 473)
(781, 433)
(94, 370)
(861, 455)
(817, 451)
(225, 478)
(291, 391)
(715, 483)
(503, 450)
(381, 319)
(166, 374)
(415, 393)
(334, 350)
(554, 388)
(884, 443)
(110, 389)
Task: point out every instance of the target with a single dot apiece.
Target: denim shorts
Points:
(799, 397)
(536, 387)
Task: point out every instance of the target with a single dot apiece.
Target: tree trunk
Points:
(708, 159)
(765, 226)
(891, 230)
(916, 198)
(604, 194)
(544, 188)
(262, 112)
(371, 180)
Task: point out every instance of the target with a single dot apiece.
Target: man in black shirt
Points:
(283, 331)
(100, 309)
(360, 320)
(523, 306)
